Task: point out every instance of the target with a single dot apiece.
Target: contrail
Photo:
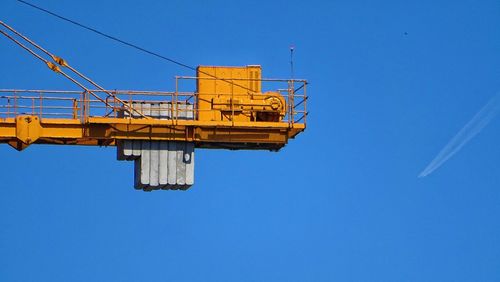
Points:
(469, 131)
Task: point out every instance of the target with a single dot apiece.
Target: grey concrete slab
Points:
(181, 165)
(146, 109)
(124, 150)
(189, 112)
(165, 111)
(181, 111)
(127, 148)
(155, 110)
(136, 149)
(189, 161)
(145, 162)
(125, 112)
(137, 106)
(136, 145)
(137, 174)
(172, 163)
(154, 176)
(163, 165)
(119, 151)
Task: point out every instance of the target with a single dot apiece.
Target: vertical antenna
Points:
(291, 87)
(292, 47)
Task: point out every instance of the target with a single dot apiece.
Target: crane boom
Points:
(228, 110)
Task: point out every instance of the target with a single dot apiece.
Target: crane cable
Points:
(60, 61)
(51, 65)
(130, 44)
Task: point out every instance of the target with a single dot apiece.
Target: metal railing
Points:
(81, 105)
(294, 92)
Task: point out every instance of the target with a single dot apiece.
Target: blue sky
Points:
(391, 83)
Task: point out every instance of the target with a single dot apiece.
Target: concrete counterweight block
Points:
(172, 165)
(165, 165)
(154, 175)
(159, 164)
(127, 149)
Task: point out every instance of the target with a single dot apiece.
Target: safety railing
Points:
(293, 91)
(81, 104)
(179, 104)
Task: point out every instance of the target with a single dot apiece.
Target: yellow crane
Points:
(158, 130)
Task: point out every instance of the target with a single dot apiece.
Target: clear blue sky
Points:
(340, 203)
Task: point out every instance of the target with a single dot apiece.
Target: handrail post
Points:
(130, 105)
(106, 106)
(86, 105)
(232, 101)
(290, 104)
(115, 106)
(15, 104)
(8, 107)
(174, 100)
(75, 108)
(41, 105)
(305, 103)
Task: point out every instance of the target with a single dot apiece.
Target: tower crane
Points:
(159, 131)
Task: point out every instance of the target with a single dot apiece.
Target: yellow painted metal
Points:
(105, 131)
(209, 88)
(229, 111)
(234, 94)
(28, 129)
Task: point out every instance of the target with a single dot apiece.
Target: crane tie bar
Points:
(60, 61)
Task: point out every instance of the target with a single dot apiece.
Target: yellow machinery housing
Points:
(236, 96)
